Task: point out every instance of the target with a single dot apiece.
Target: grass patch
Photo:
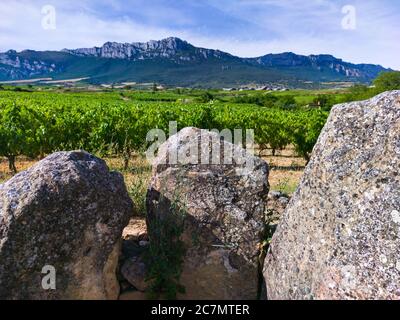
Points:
(164, 257)
(137, 178)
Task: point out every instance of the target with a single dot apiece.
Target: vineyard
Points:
(34, 124)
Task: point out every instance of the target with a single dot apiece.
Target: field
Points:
(112, 124)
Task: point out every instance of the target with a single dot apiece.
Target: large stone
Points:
(277, 203)
(224, 211)
(340, 235)
(68, 211)
(134, 271)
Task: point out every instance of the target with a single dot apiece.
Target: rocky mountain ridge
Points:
(170, 48)
(173, 61)
(13, 66)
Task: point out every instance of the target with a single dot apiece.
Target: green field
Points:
(36, 121)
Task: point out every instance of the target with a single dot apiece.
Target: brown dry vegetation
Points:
(286, 170)
(21, 164)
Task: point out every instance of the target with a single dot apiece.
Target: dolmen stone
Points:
(339, 237)
(221, 190)
(61, 223)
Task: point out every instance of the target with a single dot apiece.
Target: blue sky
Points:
(246, 28)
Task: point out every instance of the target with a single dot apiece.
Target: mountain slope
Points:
(173, 61)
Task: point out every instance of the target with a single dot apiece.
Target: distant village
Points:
(258, 88)
(71, 83)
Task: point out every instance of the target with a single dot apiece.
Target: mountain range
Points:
(175, 62)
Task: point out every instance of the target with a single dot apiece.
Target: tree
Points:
(286, 102)
(358, 92)
(206, 97)
(269, 100)
(388, 81)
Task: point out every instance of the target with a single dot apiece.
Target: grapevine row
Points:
(34, 125)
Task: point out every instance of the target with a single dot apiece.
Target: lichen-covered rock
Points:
(224, 208)
(134, 271)
(68, 212)
(339, 238)
(277, 203)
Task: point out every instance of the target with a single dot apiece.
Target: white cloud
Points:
(21, 29)
(305, 27)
